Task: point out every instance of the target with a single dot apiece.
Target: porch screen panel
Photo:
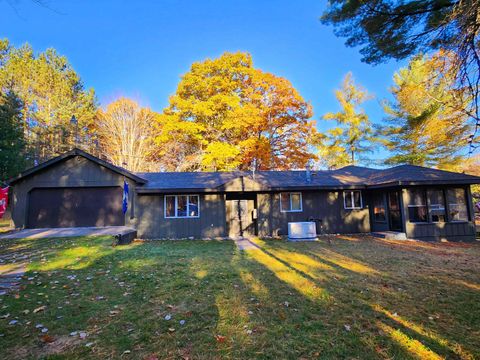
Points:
(457, 205)
(417, 207)
(436, 205)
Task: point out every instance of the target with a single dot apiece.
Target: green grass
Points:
(4, 225)
(356, 298)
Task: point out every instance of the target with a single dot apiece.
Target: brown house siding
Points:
(325, 205)
(151, 223)
(74, 172)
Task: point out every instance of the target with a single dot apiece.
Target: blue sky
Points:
(141, 48)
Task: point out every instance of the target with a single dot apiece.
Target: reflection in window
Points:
(181, 206)
(436, 205)
(379, 213)
(457, 205)
(170, 206)
(417, 208)
(352, 199)
(290, 202)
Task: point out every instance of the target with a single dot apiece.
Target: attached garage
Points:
(75, 189)
(74, 207)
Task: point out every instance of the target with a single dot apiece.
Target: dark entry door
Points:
(394, 211)
(72, 207)
(240, 219)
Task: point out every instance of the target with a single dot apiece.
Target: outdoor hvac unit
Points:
(302, 231)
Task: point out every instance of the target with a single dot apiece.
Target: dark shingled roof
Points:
(347, 177)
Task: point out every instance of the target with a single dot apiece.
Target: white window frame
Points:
(290, 200)
(352, 197)
(176, 206)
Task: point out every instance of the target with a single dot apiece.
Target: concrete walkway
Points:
(66, 232)
(245, 244)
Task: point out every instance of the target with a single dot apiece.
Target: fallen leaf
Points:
(47, 338)
(220, 338)
(41, 308)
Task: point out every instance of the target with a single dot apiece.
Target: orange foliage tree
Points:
(227, 115)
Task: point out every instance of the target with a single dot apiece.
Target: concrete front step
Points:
(390, 235)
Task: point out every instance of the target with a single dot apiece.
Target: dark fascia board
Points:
(425, 183)
(141, 190)
(76, 152)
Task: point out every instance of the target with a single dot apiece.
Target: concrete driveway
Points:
(66, 232)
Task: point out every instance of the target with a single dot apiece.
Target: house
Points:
(78, 189)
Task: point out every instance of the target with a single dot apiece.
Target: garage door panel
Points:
(70, 207)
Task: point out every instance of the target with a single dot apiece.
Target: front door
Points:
(394, 211)
(240, 219)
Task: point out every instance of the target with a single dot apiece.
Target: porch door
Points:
(394, 211)
(240, 218)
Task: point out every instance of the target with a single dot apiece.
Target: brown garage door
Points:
(70, 207)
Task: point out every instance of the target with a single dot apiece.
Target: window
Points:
(417, 207)
(457, 205)
(290, 202)
(379, 213)
(352, 199)
(181, 206)
(436, 205)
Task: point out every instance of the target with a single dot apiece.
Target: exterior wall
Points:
(450, 231)
(74, 172)
(325, 205)
(151, 223)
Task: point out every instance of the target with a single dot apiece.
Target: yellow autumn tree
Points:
(346, 143)
(125, 132)
(228, 115)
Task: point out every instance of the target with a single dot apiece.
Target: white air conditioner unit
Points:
(302, 230)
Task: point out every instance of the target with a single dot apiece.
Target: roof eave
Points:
(425, 183)
(71, 153)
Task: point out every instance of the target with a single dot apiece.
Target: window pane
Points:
(417, 197)
(170, 206)
(417, 207)
(348, 199)
(436, 205)
(296, 201)
(457, 204)
(417, 213)
(285, 201)
(193, 205)
(357, 199)
(182, 205)
(379, 208)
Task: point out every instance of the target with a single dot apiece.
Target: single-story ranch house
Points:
(78, 189)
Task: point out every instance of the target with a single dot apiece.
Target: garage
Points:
(75, 206)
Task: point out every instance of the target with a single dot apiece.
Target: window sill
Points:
(291, 211)
(182, 217)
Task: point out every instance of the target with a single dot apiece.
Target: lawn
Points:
(4, 225)
(354, 298)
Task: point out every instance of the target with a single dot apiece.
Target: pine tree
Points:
(12, 143)
(426, 123)
(51, 92)
(351, 139)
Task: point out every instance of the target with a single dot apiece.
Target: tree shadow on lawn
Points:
(280, 301)
(443, 316)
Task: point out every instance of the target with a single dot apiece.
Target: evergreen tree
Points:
(51, 92)
(351, 139)
(426, 124)
(12, 143)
